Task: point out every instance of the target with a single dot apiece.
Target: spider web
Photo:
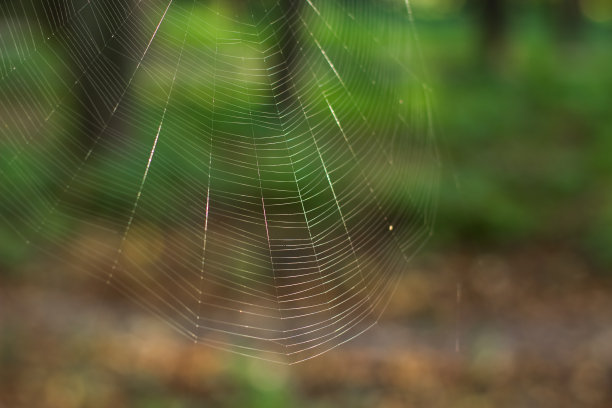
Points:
(256, 173)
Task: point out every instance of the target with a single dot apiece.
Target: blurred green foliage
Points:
(526, 147)
(526, 142)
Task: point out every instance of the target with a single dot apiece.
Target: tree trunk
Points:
(493, 20)
(98, 91)
(289, 46)
(570, 20)
(85, 35)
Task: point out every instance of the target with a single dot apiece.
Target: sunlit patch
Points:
(438, 7)
(597, 10)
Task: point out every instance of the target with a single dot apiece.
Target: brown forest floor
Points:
(529, 328)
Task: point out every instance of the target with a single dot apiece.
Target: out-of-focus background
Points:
(509, 304)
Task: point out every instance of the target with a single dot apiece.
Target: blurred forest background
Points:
(509, 305)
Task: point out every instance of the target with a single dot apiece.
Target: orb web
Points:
(258, 173)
